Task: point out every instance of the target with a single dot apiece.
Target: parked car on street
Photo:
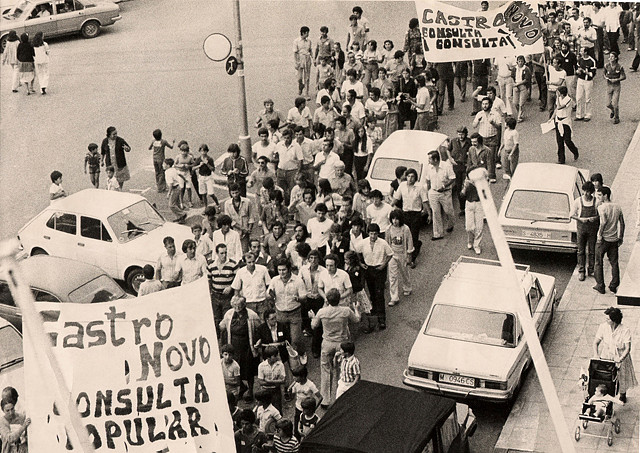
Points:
(58, 17)
(471, 345)
(379, 418)
(119, 232)
(55, 279)
(535, 210)
(404, 148)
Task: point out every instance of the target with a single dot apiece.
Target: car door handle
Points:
(47, 237)
(80, 244)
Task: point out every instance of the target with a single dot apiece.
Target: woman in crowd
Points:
(25, 54)
(113, 149)
(41, 60)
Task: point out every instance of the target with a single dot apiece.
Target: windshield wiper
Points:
(552, 217)
(134, 230)
(149, 222)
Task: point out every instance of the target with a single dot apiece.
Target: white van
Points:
(407, 148)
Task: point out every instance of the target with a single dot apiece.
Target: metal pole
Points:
(42, 346)
(243, 140)
(479, 178)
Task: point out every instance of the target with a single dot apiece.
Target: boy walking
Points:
(349, 367)
(175, 183)
(510, 148)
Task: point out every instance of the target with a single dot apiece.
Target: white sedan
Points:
(117, 231)
(471, 345)
(535, 211)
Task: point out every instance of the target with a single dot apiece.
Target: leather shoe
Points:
(449, 230)
(613, 289)
(382, 326)
(581, 276)
(436, 238)
(600, 290)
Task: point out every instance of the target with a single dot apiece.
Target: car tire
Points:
(38, 251)
(134, 277)
(91, 29)
(3, 43)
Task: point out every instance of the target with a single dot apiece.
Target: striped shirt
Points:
(349, 369)
(290, 446)
(222, 275)
(486, 123)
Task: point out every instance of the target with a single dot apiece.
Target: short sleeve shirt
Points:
(412, 196)
(287, 292)
(439, 175)
(374, 255)
(253, 286)
(290, 156)
(380, 216)
(192, 269)
(328, 168)
(609, 215)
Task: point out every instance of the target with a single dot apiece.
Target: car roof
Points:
(57, 275)
(96, 202)
(477, 285)
(378, 418)
(544, 176)
(407, 143)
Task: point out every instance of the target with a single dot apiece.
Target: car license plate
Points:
(458, 380)
(536, 234)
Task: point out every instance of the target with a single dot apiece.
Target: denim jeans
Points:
(611, 250)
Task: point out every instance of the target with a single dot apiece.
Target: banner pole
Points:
(480, 180)
(42, 346)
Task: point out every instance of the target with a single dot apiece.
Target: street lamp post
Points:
(244, 139)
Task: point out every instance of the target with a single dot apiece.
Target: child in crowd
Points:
(359, 297)
(92, 160)
(232, 401)
(349, 367)
(510, 148)
(308, 419)
(284, 441)
(183, 164)
(205, 167)
(272, 375)
(158, 146)
(55, 190)
(303, 388)
(230, 370)
(209, 221)
(266, 414)
(150, 284)
(175, 182)
(599, 401)
(399, 238)
(112, 182)
(204, 245)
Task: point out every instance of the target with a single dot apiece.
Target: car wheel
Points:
(3, 43)
(91, 29)
(38, 251)
(134, 277)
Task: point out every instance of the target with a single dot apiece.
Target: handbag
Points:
(294, 358)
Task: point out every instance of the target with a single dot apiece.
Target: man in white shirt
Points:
(357, 109)
(325, 161)
(335, 278)
(378, 212)
(225, 235)
(263, 147)
(319, 227)
(505, 65)
(440, 179)
(252, 282)
(191, 265)
(166, 268)
(352, 83)
(612, 26)
(289, 162)
(376, 107)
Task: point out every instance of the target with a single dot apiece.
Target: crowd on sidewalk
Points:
(305, 265)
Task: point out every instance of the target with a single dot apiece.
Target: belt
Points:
(288, 311)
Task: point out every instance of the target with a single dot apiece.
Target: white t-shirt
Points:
(266, 151)
(555, 77)
(357, 110)
(511, 139)
(358, 87)
(55, 189)
(380, 216)
(423, 97)
(319, 231)
(328, 168)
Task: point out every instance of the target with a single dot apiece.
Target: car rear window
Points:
(11, 349)
(100, 289)
(539, 206)
(473, 325)
(385, 168)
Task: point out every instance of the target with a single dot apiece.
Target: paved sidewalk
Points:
(568, 346)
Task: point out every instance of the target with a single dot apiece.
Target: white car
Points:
(403, 148)
(11, 360)
(117, 231)
(471, 345)
(535, 210)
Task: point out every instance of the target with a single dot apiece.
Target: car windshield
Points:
(134, 221)
(539, 206)
(471, 324)
(100, 289)
(18, 10)
(385, 168)
(10, 346)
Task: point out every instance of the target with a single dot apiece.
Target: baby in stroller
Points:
(597, 405)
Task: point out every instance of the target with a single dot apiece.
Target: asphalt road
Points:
(149, 71)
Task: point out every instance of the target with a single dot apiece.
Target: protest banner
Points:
(455, 34)
(144, 373)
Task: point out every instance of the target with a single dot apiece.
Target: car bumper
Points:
(496, 396)
(114, 19)
(560, 247)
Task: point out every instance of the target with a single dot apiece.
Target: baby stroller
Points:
(602, 372)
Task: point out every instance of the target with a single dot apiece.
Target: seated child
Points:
(599, 400)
